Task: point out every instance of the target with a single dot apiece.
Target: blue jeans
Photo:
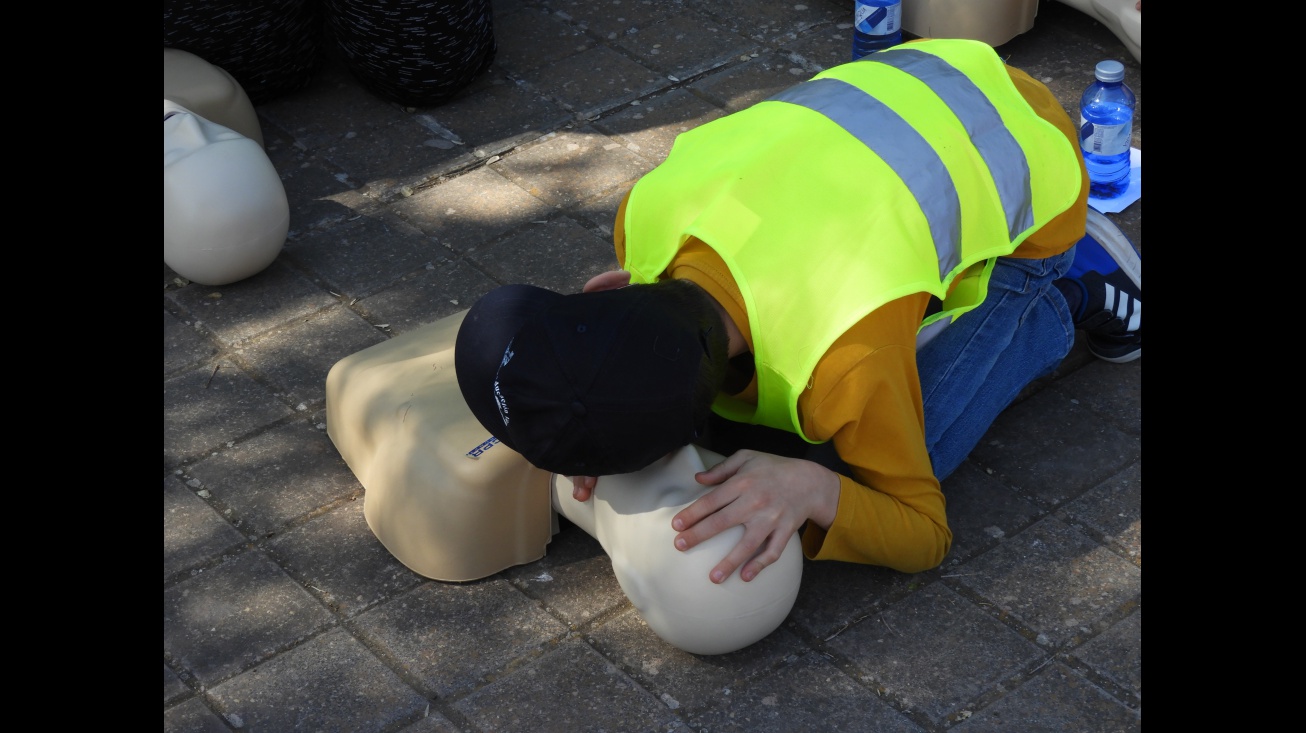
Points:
(976, 366)
(969, 372)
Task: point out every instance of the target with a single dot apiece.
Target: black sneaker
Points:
(1110, 270)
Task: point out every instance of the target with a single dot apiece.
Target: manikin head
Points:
(593, 384)
(225, 213)
(210, 92)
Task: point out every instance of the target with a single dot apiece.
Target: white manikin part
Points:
(630, 515)
(225, 213)
(210, 92)
(1121, 17)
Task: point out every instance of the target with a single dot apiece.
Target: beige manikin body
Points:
(451, 503)
(225, 213)
(997, 21)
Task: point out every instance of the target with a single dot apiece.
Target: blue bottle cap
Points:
(1110, 71)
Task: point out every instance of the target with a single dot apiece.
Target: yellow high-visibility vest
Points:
(909, 170)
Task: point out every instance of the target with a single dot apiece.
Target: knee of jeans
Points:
(1061, 263)
(1015, 276)
(1062, 312)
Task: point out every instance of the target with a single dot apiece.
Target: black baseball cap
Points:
(587, 384)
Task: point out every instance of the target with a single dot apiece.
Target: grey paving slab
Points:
(236, 615)
(173, 687)
(1053, 448)
(283, 612)
(572, 165)
(598, 697)
(539, 37)
(600, 214)
(982, 512)
(835, 595)
(468, 210)
(194, 534)
(1057, 700)
(424, 297)
(237, 311)
(333, 105)
(452, 638)
(504, 114)
(684, 45)
(934, 651)
(192, 716)
(1112, 511)
(183, 345)
(650, 126)
(774, 20)
(595, 81)
(1054, 580)
(209, 406)
(680, 679)
(614, 18)
(1112, 390)
(366, 253)
(755, 78)
(320, 193)
(372, 141)
(807, 693)
(1117, 653)
(276, 477)
(295, 360)
(434, 722)
(574, 581)
(331, 682)
(559, 254)
(336, 556)
(825, 45)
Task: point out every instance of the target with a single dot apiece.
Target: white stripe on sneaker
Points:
(1127, 309)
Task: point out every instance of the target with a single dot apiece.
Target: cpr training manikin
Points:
(225, 213)
(451, 503)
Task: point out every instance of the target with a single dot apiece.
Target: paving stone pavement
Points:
(282, 612)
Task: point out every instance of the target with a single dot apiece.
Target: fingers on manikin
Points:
(767, 557)
(723, 470)
(582, 487)
(746, 551)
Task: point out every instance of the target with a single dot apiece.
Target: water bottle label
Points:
(1102, 139)
(877, 20)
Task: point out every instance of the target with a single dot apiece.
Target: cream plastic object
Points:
(443, 497)
(210, 92)
(992, 21)
(453, 504)
(630, 515)
(225, 213)
(1120, 16)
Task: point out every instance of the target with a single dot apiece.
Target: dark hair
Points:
(690, 302)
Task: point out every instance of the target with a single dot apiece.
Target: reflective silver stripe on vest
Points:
(900, 146)
(904, 150)
(1000, 151)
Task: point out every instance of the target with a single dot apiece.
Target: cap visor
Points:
(485, 333)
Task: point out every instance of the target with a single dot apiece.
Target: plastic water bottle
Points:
(877, 24)
(1106, 122)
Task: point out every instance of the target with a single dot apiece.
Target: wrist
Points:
(827, 506)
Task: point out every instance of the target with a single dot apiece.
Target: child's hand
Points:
(582, 487)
